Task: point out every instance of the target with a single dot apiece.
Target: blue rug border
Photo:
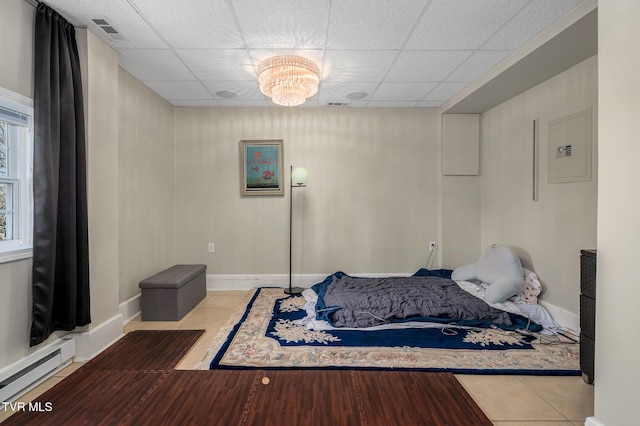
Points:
(215, 362)
(223, 349)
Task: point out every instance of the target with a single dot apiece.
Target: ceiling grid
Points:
(371, 53)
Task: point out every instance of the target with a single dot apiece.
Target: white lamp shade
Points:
(299, 176)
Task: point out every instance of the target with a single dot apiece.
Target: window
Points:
(16, 183)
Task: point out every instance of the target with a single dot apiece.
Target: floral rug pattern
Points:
(246, 343)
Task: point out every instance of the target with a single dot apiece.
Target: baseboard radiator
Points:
(23, 375)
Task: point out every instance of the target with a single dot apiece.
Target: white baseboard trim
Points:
(247, 282)
(129, 309)
(244, 282)
(592, 421)
(565, 318)
(97, 339)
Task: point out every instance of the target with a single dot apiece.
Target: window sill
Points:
(13, 255)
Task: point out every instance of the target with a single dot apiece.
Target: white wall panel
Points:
(616, 360)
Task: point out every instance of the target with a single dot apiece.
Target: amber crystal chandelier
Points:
(288, 80)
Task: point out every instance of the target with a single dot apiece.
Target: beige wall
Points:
(617, 352)
(370, 205)
(550, 232)
(100, 74)
(460, 230)
(16, 74)
(146, 184)
(459, 189)
(16, 46)
(15, 310)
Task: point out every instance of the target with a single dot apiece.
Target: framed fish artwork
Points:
(261, 171)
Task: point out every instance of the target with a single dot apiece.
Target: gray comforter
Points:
(366, 302)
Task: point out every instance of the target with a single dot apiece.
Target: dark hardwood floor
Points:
(133, 383)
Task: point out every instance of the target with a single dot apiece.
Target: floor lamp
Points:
(297, 179)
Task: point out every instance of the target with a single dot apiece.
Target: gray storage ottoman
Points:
(172, 293)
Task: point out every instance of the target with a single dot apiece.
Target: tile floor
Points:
(506, 400)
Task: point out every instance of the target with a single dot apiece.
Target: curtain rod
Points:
(34, 3)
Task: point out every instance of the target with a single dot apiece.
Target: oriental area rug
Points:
(263, 335)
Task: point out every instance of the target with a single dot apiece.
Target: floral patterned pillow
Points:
(532, 288)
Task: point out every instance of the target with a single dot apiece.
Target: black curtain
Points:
(60, 237)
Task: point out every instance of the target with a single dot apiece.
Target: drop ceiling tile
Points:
(359, 45)
(337, 92)
(309, 103)
(245, 103)
(402, 91)
(461, 24)
(259, 55)
(350, 104)
(179, 90)
(133, 30)
(366, 24)
(285, 24)
(444, 91)
(218, 64)
(247, 90)
(429, 104)
(390, 104)
(153, 65)
(425, 66)
(476, 65)
(196, 103)
(196, 24)
(358, 65)
(529, 22)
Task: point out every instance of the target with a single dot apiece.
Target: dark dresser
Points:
(587, 313)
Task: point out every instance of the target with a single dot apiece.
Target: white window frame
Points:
(21, 145)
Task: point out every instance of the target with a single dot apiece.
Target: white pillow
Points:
(500, 268)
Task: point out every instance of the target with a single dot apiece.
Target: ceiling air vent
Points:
(108, 28)
(338, 104)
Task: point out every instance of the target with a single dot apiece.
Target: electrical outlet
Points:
(211, 247)
(432, 245)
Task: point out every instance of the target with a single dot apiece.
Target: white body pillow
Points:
(500, 268)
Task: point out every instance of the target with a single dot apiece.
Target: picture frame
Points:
(261, 167)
